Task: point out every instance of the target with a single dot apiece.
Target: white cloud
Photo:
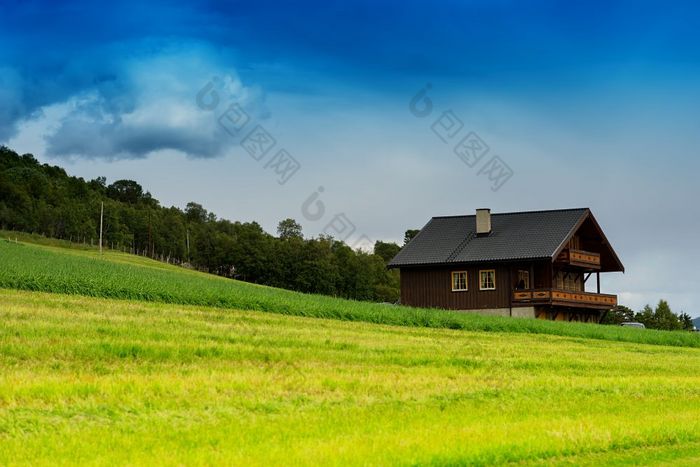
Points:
(152, 105)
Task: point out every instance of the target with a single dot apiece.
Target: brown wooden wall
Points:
(432, 288)
(543, 275)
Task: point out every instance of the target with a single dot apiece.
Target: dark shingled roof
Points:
(514, 236)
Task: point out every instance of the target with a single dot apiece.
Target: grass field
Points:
(119, 275)
(156, 375)
(110, 381)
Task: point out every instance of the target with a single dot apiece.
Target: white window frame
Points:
(466, 281)
(481, 281)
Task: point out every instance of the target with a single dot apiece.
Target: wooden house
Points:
(540, 264)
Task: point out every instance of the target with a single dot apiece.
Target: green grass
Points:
(100, 381)
(49, 268)
(132, 361)
(38, 239)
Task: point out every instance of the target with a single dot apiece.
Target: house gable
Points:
(587, 235)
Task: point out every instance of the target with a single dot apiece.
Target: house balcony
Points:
(568, 298)
(580, 258)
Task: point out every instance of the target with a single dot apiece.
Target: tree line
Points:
(44, 199)
(661, 317)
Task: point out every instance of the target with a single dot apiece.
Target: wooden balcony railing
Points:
(564, 298)
(584, 259)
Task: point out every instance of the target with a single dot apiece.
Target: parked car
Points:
(633, 324)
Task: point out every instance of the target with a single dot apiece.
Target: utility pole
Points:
(188, 245)
(102, 212)
(150, 247)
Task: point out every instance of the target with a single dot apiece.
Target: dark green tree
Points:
(646, 317)
(126, 191)
(686, 321)
(662, 317)
(195, 213)
(665, 318)
(618, 315)
(409, 235)
(386, 250)
(289, 228)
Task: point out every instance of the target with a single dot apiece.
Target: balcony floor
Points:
(566, 298)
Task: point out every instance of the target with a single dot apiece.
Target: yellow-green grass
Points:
(119, 275)
(48, 244)
(99, 381)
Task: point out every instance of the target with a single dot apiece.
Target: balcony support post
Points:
(597, 279)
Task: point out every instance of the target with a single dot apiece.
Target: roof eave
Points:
(462, 263)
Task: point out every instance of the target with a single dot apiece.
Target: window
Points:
(523, 279)
(569, 281)
(572, 282)
(459, 281)
(487, 279)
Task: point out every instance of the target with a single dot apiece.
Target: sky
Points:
(364, 119)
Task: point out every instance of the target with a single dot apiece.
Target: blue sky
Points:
(594, 104)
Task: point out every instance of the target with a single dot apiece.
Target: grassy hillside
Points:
(49, 268)
(101, 381)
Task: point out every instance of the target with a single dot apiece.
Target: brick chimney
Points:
(483, 221)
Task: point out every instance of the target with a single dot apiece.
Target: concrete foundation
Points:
(516, 312)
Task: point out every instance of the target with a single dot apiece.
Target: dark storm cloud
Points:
(53, 52)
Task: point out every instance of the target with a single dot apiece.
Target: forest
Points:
(44, 199)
